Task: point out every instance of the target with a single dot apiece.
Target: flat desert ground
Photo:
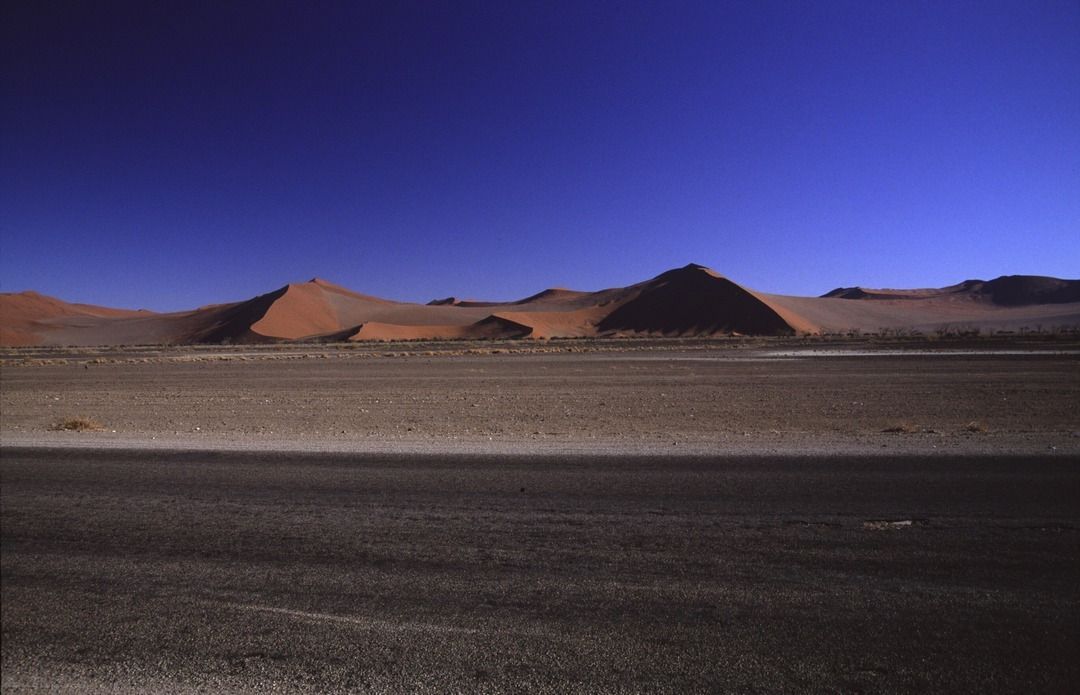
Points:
(711, 516)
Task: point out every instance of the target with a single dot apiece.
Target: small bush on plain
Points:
(78, 424)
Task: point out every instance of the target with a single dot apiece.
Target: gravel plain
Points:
(677, 521)
(711, 400)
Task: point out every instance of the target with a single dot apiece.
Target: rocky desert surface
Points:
(755, 515)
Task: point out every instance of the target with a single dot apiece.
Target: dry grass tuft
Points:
(78, 424)
(901, 428)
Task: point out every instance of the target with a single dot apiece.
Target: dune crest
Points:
(690, 301)
(300, 311)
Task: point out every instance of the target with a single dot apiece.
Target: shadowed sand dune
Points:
(490, 327)
(688, 301)
(694, 301)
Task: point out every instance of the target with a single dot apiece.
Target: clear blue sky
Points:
(168, 155)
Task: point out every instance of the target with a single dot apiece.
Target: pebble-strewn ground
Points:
(702, 400)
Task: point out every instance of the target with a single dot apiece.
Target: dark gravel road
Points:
(136, 570)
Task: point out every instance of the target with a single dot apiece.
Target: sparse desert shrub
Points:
(78, 424)
(976, 426)
(901, 428)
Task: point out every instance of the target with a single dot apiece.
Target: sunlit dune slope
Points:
(24, 315)
(688, 301)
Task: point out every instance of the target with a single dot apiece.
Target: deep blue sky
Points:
(170, 154)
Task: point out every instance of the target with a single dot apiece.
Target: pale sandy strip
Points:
(751, 443)
(377, 624)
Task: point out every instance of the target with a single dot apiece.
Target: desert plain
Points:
(739, 515)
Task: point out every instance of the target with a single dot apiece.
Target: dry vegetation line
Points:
(15, 357)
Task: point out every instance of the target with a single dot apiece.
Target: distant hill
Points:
(688, 301)
(1008, 290)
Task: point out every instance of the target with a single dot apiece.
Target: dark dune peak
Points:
(846, 293)
(694, 300)
(1023, 290)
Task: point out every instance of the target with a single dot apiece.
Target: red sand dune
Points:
(1008, 303)
(688, 301)
(24, 316)
(313, 308)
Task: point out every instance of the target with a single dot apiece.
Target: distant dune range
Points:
(688, 301)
